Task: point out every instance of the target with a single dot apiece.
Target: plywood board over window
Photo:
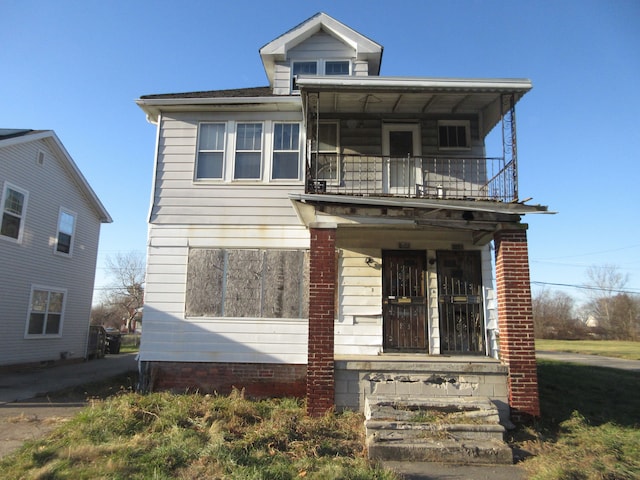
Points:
(247, 283)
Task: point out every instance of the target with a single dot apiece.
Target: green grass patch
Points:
(607, 348)
(166, 436)
(589, 427)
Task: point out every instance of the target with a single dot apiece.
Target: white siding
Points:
(169, 336)
(178, 199)
(33, 261)
(321, 46)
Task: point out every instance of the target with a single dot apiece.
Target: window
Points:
(325, 164)
(336, 67)
(248, 151)
(302, 68)
(66, 229)
(453, 135)
(210, 161)
(46, 309)
(286, 151)
(14, 206)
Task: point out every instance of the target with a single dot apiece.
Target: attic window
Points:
(302, 68)
(336, 67)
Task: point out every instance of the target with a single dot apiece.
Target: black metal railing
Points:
(444, 177)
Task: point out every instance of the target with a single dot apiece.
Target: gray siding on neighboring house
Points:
(33, 262)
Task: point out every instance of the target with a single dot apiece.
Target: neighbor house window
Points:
(453, 135)
(325, 163)
(302, 68)
(336, 67)
(248, 160)
(210, 161)
(46, 309)
(14, 206)
(66, 230)
(286, 151)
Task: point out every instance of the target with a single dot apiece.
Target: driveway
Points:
(31, 401)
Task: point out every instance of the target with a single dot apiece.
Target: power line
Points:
(588, 287)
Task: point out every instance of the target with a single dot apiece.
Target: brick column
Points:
(515, 318)
(322, 283)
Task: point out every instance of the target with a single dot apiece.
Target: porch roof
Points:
(414, 95)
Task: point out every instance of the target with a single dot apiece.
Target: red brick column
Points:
(322, 283)
(515, 318)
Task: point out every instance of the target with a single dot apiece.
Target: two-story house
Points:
(49, 232)
(331, 234)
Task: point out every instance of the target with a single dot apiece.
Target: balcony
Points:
(435, 177)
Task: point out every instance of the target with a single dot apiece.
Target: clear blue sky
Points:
(77, 67)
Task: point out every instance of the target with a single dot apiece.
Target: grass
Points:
(607, 348)
(589, 427)
(163, 436)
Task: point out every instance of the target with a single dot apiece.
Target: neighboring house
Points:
(49, 234)
(331, 235)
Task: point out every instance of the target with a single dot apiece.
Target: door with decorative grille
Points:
(460, 302)
(404, 301)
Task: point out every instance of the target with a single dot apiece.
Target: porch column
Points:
(322, 283)
(515, 318)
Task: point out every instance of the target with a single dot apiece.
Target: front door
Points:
(460, 302)
(401, 150)
(404, 301)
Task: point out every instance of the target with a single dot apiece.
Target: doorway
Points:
(404, 301)
(460, 302)
(401, 149)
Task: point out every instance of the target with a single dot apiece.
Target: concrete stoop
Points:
(445, 429)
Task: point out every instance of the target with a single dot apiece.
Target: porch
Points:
(358, 377)
(440, 177)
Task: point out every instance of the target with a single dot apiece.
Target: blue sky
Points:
(77, 67)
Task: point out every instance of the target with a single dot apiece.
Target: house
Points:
(49, 234)
(332, 235)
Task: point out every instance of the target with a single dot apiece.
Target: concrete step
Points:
(443, 429)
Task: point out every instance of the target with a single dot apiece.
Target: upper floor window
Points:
(302, 68)
(248, 158)
(340, 67)
(286, 151)
(14, 206)
(66, 230)
(325, 164)
(453, 134)
(210, 161)
(46, 309)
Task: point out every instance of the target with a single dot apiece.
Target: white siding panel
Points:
(321, 45)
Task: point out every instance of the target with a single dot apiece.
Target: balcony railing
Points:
(469, 178)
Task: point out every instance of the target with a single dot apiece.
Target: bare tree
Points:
(553, 316)
(605, 283)
(126, 292)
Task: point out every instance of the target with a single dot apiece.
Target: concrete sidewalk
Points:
(20, 386)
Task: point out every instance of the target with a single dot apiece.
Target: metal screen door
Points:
(404, 301)
(460, 302)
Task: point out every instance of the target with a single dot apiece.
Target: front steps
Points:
(446, 429)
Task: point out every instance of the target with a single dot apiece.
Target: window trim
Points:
(23, 213)
(455, 123)
(49, 290)
(199, 150)
(337, 60)
(73, 233)
(236, 124)
(274, 151)
(336, 152)
(321, 69)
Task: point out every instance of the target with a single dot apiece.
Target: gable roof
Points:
(276, 50)
(9, 137)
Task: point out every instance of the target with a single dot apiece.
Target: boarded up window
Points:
(247, 283)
